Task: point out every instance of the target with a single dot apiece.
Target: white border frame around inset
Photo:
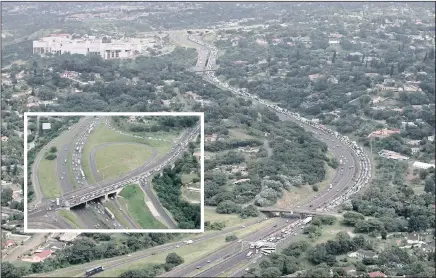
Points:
(141, 114)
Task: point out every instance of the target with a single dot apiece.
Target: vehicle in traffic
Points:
(93, 271)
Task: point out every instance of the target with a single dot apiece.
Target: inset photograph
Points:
(103, 172)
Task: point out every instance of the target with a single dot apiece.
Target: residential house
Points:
(39, 256)
(211, 138)
(411, 88)
(408, 124)
(197, 155)
(414, 142)
(70, 74)
(333, 80)
(414, 150)
(422, 165)
(241, 180)
(316, 76)
(383, 133)
(8, 244)
(68, 236)
(363, 254)
(376, 274)
(392, 155)
(5, 138)
(334, 42)
(46, 126)
(430, 138)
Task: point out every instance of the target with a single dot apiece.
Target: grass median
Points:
(47, 178)
(70, 217)
(139, 211)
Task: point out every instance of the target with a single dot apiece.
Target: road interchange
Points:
(45, 211)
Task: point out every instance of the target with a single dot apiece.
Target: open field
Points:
(48, 178)
(187, 178)
(137, 208)
(70, 217)
(229, 219)
(190, 253)
(191, 196)
(237, 133)
(100, 136)
(115, 160)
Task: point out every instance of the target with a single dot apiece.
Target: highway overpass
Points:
(301, 212)
(114, 186)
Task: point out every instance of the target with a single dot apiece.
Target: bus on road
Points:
(93, 271)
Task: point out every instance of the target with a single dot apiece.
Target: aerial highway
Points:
(87, 192)
(119, 261)
(352, 174)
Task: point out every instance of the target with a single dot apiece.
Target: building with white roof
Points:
(422, 165)
(110, 49)
(46, 126)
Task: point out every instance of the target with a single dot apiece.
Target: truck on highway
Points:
(249, 254)
(340, 162)
(307, 220)
(189, 241)
(57, 201)
(108, 212)
(330, 186)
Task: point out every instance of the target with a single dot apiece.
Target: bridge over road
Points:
(299, 211)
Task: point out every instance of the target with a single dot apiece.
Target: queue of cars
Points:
(363, 175)
(74, 200)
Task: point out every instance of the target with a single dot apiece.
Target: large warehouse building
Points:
(107, 49)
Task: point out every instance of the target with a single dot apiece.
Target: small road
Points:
(168, 221)
(35, 241)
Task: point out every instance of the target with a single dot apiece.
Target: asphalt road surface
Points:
(342, 179)
(158, 206)
(140, 255)
(225, 255)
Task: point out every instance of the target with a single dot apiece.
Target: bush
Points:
(53, 149)
(50, 156)
(173, 258)
(315, 188)
(231, 238)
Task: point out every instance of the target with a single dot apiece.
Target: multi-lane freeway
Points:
(353, 172)
(349, 179)
(86, 192)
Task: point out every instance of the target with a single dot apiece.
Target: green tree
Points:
(173, 258)
(231, 238)
(50, 156)
(6, 196)
(270, 272)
